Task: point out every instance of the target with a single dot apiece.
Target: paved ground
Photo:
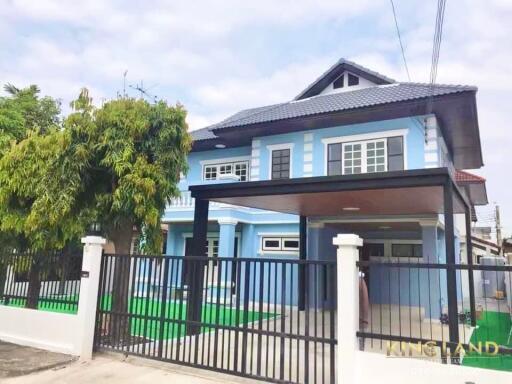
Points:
(113, 369)
(16, 360)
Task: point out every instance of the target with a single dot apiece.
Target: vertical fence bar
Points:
(247, 280)
(163, 305)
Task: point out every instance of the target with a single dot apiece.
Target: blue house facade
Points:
(351, 123)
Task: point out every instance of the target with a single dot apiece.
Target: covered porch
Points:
(408, 201)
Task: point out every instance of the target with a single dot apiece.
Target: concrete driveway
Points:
(112, 369)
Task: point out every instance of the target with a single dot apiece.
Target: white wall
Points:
(52, 331)
(377, 368)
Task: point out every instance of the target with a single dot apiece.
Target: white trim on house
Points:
(225, 160)
(367, 137)
(307, 170)
(210, 236)
(278, 147)
(281, 236)
(388, 244)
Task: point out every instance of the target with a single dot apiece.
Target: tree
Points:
(117, 165)
(22, 114)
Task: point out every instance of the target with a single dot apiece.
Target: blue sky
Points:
(217, 57)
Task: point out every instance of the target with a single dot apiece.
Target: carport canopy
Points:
(412, 192)
(408, 192)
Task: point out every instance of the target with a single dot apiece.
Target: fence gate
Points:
(242, 316)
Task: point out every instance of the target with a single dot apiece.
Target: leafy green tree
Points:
(23, 113)
(117, 165)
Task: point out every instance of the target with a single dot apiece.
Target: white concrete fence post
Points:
(89, 285)
(347, 306)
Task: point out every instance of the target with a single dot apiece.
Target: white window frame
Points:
(364, 155)
(217, 163)
(284, 248)
(210, 238)
(277, 147)
(388, 250)
(281, 249)
(366, 137)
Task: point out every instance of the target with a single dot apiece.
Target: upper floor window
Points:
(368, 156)
(352, 80)
(338, 83)
(216, 171)
(280, 164)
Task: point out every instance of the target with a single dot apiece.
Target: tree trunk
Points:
(119, 331)
(34, 283)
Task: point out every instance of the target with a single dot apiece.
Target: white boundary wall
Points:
(60, 332)
(56, 332)
(378, 368)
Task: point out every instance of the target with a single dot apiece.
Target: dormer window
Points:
(352, 80)
(338, 83)
(345, 80)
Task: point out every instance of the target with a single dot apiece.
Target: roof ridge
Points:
(438, 84)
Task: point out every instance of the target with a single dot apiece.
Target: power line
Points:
(436, 48)
(400, 39)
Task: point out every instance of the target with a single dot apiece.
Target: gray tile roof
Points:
(334, 102)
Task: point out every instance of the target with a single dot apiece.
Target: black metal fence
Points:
(271, 319)
(408, 313)
(46, 281)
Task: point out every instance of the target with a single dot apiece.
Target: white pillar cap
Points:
(94, 240)
(227, 221)
(347, 240)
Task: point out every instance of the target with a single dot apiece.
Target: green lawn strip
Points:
(176, 310)
(493, 326)
(48, 305)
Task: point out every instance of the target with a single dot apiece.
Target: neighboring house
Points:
(350, 124)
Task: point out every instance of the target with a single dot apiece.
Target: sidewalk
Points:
(113, 369)
(16, 360)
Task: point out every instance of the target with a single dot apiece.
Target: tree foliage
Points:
(118, 164)
(23, 111)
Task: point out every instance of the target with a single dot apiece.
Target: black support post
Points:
(303, 228)
(471, 281)
(451, 274)
(195, 267)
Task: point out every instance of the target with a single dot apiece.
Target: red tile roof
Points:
(466, 177)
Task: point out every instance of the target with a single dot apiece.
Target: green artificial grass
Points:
(493, 326)
(146, 317)
(48, 305)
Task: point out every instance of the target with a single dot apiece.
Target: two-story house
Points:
(354, 152)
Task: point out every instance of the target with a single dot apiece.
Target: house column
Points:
(451, 274)
(303, 228)
(430, 292)
(196, 267)
(226, 249)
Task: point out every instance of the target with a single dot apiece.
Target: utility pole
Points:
(499, 240)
